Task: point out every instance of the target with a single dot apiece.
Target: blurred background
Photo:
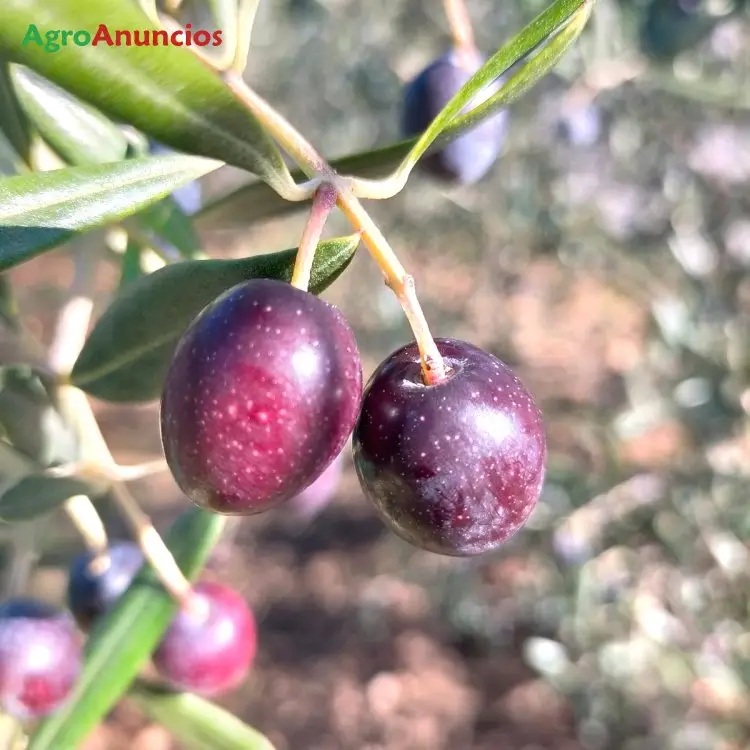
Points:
(606, 258)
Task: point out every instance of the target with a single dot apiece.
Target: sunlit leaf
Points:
(37, 494)
(13, 122)
(164, 90)
(77, 132)
(196, 723)
(41, 210)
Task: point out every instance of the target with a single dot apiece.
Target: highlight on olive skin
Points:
(40, 657)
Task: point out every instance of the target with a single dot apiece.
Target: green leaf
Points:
(13, 465)
(13, 121)
(41, 210)
(543, 28)
(37, 494)
(76, 131)
(127, 354)
(8, 307)
(10, 162)
(29, 417)
(171, 224)
(194, 722)
(82, 135)
(224, 17)
(256, 200)
(123, 640)
(164, 91)
(529, 73)
(245, 13)
(131, 268)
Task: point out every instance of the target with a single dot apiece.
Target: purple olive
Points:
(456, 467)
(469, 157)
(261, 396)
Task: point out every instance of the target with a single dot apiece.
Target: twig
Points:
(323, 203)
(23, 559)
(289, 138)
(315, 166)
(246, 11)
(70, 335)
(460, 26)
(82, 512)
(74, 405)
(402, 284)
(115, 473)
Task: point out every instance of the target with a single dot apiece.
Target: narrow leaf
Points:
(245, 19)
(224, 16)
(76, 131)
(37, 494)
(10, 162)
(542, 28)
(8, 307)
(123, 640)
(196, 723)
(30, 420)
(131, 268)
(13, 121)
(127, 354)
(163, 90)
(528, 74)
(81, 135)
(171, 226)
(41, 210)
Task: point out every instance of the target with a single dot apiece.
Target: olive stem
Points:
(289, 138)
(76, 409)
(324, 202)
(246, 11)
(317, 168)
(74, 405)
(71, 328)
(88, 522)
(402, 284)
(460, 26)
(115, 473)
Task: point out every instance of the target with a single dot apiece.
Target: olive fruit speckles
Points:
(261, 395)
(469, 157)
(40, 658)
(212, 651)
(93, 590)
(457, 467)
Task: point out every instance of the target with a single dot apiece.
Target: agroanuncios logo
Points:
(52, 40)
